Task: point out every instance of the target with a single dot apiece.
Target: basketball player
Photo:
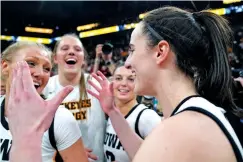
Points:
(66, 129)
(181, 59)
(69, 55)
(141, 119)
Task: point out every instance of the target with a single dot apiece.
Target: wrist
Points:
(113, 111)
(97, 60)
(26, 147)
(27, 140)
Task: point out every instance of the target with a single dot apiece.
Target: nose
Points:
(71, 53)
(128, 64)
(124, 82)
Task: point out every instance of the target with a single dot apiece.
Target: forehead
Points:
(123, 71)
(136, 34)
(70, 40)
(33, 52)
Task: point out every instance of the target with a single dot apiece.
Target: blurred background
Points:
(99, 22)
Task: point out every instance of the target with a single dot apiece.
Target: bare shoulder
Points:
(188, 136)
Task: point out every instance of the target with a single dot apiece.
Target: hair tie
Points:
(195, 18)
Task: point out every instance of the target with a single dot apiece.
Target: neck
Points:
(125, 107)
(66, 79)
(172, 91)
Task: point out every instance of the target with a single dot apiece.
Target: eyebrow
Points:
(119, 75)
(33, 57)
(71, 45)
(37, 59)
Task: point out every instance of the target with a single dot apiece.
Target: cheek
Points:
(81, 56)
(59, 56)
(115, 85)
(131, 87)
(46, 78)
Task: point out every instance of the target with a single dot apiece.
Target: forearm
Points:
(129, 139)
(96, 65)
(112, 67)
(27, 149)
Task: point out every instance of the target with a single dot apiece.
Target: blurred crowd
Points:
(105, 57)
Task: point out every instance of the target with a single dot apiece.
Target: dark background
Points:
(64, 17)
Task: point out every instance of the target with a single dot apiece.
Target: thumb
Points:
(57, 100)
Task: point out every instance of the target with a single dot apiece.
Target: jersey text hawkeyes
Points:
(83, 105)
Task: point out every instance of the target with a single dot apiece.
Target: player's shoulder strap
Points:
(52, 136)
(52, 139)
(137, 122)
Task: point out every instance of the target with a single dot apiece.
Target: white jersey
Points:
(89, 115)
(142, 122)
(219, 115)
(66, 131)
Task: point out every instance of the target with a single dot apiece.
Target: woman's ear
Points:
(55, 59)
(163, 51)
(5, 67)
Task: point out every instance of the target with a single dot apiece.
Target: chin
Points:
(123, 98)
(39, 90)
(140, 91)
(71, 71)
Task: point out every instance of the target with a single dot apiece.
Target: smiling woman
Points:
(140, 118)
(68, 55)
(38, 59)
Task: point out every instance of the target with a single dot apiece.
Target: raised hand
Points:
(27, 112)
(105, 93)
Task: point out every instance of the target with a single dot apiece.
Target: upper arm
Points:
(68, 136)
(74, 152)
(66, 129)
(188, 136)
(149, 119)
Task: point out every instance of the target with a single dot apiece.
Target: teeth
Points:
(123, 90)
(71, 60)
(36, 84)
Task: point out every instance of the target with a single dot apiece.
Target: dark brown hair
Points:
(199, 41)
